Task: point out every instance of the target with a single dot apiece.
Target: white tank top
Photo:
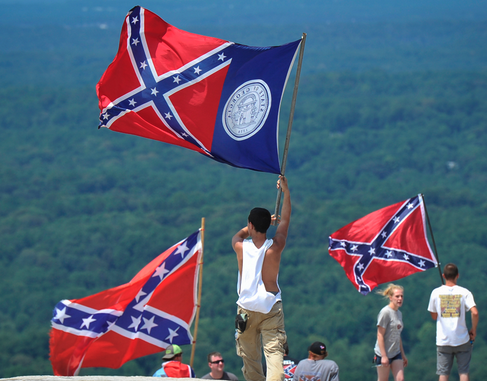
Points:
(251, 289)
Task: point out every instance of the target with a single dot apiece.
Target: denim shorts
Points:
(378, 359)
(445, 355)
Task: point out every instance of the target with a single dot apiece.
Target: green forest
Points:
(83, 210)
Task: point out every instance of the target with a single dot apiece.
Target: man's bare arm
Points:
(475, 321)
(240, 236)
(283, 227)
(237, 244)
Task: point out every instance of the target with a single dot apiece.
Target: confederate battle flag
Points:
(152, 311)
(213, 96)
(388, 244)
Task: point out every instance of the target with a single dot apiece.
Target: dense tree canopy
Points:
(84, 211)
(377, 122)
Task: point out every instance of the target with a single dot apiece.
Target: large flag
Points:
(386, 245)
(213, 96)
(152, 311)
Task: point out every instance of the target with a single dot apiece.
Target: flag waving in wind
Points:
(213, 96)
(388, 244)
(152, 311)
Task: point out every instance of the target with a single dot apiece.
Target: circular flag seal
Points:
(247, 109)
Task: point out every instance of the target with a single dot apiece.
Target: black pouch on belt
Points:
(241, 322)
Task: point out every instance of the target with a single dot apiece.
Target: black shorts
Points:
(378, 359)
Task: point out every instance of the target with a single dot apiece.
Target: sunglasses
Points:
(218, 361)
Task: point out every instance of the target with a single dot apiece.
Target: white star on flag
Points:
(139, 294)
(87, 322)
(149, 324)
(135, 323)
(61, 315)
(182, 249)
(161, 271)
(172, 334)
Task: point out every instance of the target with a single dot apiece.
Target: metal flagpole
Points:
(200, 282)
(290, 123)
(433, 239)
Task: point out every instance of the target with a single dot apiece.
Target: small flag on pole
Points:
(213, 96)
(152, 311)
(386, 245)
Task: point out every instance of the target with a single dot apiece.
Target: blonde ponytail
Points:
(389, 291)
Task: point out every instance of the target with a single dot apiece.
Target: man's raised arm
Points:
(240, 236)
(283, 227)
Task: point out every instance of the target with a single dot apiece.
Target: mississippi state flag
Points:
(152, 311)
(388, 244)
(215, 97)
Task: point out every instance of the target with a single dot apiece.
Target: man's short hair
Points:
(261, 219)
(450, 271)
(216, 354)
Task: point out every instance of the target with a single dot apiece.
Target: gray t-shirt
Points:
(392, 321)
(320, 370)
(226, 376)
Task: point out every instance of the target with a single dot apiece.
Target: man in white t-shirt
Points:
(448, 306)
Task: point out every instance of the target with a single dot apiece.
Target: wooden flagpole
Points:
(433, 239)
(200, 282)
(290, 123)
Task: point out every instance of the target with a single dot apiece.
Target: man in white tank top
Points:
(259, 293)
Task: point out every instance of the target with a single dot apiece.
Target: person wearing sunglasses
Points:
(216, 364)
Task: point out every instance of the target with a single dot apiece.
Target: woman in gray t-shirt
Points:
(389, 353)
